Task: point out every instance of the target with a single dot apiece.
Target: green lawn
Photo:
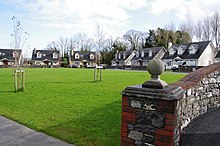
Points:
(67, 104)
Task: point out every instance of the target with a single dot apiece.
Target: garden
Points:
(66, 103)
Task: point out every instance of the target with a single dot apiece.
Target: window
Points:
(124, 55)
(55, 55)
(44, 55)
(76, 56)
(14, 54)
(39, 55)
(142, 54)
(150, 53)
(119, 57)
(180, 51)
(91, 56)
(171, 51)
(137, 54)
(192, 50)
(0, 53)
(3, 54)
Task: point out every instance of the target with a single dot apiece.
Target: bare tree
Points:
(188, 27)
(206, 26)
(63, 45)
(215, 25)
(53, 46)
(19, 40)
(199, 30)
(81, 42)
(135, 38)
(170, 26)
(99, 38)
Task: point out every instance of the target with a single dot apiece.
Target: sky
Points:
(47, 20)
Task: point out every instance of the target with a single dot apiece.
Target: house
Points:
(83, 59)
(194, 54)
(143, 56)
(217, 57)
(46, 57)
(123, 58)
(9, 57)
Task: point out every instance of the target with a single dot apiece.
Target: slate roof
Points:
(46, 55)
(146, 57)
(8, 54)
(83, 56)
(200, 46)
(122, 59)
(218, 55)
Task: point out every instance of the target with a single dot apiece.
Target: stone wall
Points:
(156, 116)
(201, 93)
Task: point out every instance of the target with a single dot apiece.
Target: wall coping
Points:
(168, 93)
(193, 78)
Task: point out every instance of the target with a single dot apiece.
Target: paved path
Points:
(14, 134)
(203, 131)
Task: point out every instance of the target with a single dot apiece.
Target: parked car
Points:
(177, 65)
(72, 66)
(90, 66)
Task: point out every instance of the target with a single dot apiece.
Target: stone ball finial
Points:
(155, 67)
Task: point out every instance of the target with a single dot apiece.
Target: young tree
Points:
(19, 40)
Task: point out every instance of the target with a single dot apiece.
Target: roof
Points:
(7, 54)
(218, 55)
(200, 46)
(83, 56)
(46, 55)
(154, 51)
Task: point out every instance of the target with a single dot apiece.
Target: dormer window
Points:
(76, 56)
(39, 55)
(44, 55)
(119, 56)
(3, 54)
(142, 54)
(171, 51)
(137, 54)
(192, 50)
(55, 55)
(180, 51)
(124, 55)
(91, 56)
(14, 54)
(150, 53)
(115, 56)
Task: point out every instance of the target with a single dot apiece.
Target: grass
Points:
(67, 104)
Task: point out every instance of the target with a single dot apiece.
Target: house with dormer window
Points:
(194, 54)
(9, 57)
(82, 58)
(45, 58)
(123, 58)
(143, 56)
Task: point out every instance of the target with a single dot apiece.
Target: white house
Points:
(194, 54)
(123, 58)
(10, 57)
(143, 56)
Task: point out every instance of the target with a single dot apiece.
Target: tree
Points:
(63, 45)
(199, 30)
(135, 38)
(99, 38)
(19, 40)
(206, 35)
(188, 27)
(81, 42)
(215, 25)
(53, 46)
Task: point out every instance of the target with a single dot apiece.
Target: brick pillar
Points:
(149, 116)
(151, 111)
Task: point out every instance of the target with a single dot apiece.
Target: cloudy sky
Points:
(46, 20)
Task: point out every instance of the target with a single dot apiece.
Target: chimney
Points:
(169, 45)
